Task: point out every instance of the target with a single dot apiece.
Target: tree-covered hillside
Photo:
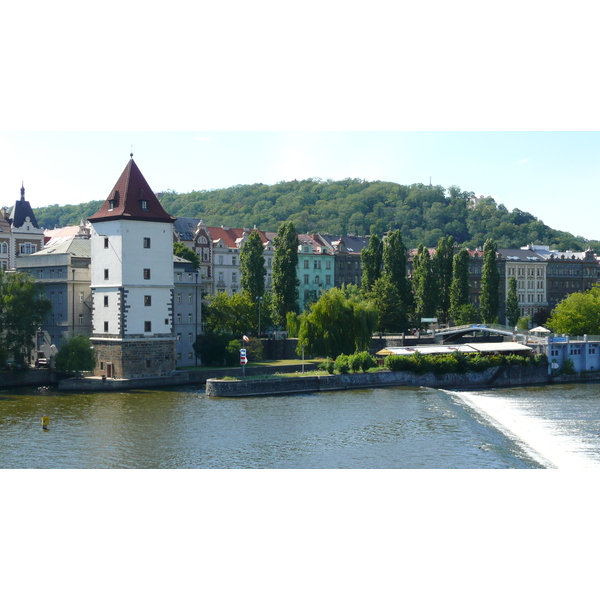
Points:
(423, 213)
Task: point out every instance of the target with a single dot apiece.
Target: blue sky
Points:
(553, 175)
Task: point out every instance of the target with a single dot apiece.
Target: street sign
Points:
(242, 352)
(243, 360)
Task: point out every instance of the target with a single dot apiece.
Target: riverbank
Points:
(502, 376)
(184, 377)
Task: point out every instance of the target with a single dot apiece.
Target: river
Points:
(391, 428)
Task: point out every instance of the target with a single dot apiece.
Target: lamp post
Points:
(259, 298)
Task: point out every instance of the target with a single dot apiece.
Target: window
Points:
(306, 279)
(179, 317)
(146, 242)
(60, 297)
(144, 204)
(147, 300)
(105, 326)
(190, 337)
(306, 264)
(40, 274)
(51, 273)
(178, 338)
(166, 321)
(106, 242)
(60, 273)
(105, 273)
(80, 297)
(147, 326)
(328, 279)
(233, 260)
(190, 318)
(234, 278)
(178, 298)
(190, 299)
(4, 248)
(146, 273)
(81, 319)
(328, 264)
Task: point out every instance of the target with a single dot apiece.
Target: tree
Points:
(512, 303)
(183, 251)
(252, 266)
(425, 289)
(459, 289)
(443, 262)
(285, 279)
(335, 325)
(489, 299)
(233, 314)
(372, 263)
(394, 264)
(392, 313)
(76, 355)
(23, 308)
(577, 314)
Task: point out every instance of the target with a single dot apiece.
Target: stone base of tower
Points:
(134, 358)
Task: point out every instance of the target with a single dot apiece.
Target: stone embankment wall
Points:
(504, 376)
(38, 377)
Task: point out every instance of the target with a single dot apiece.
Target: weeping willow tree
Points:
(337, 325)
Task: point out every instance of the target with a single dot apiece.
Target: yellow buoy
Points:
(45, 422)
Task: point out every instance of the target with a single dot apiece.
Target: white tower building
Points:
(132, 281)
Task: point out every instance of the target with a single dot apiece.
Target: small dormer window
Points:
(144, 204)
(114, 202)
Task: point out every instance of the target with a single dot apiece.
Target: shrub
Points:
(327, 365)
(366, 361)
(394, 362)
(568, 367)
(342, 365)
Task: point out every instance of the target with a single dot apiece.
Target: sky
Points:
(553, 175)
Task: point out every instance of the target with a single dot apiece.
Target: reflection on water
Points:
(182, 428)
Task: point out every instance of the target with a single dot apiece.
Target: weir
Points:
(545, 440)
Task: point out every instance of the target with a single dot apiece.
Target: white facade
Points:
(132, 278)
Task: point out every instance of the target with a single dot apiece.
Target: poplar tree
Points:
(489, 299)
(459, 289)
(394, 264)
(285, 279)
(442, 262)
(252, 266)
(372, 263)
(512, 303)
(424, 286)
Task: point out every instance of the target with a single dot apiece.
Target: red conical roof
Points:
(132, 198)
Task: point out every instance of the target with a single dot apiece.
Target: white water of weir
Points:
(543, 439)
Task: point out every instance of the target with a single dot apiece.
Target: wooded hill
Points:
(423, 213)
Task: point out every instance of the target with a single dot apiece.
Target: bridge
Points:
(441, 336)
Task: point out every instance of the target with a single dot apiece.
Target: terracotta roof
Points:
(132, 198)
(230, 235)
